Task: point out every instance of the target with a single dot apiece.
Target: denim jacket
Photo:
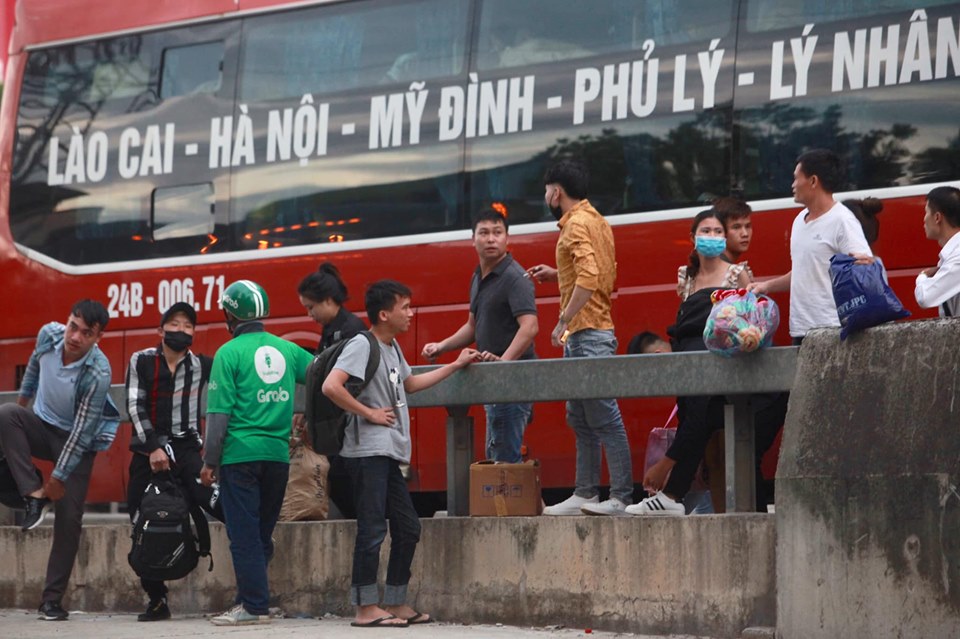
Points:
(95, 415)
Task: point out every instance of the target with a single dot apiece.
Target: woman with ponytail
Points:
(323, 294)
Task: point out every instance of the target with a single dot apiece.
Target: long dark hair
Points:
(693, 262)
(324, 283)
(866, 211)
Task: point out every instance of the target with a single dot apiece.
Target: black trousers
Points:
(186, 470)
(24, 435)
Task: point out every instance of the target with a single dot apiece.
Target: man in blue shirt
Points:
(73, 418)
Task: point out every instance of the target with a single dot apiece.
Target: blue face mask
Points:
(710, 246)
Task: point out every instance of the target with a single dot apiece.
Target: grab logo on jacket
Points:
(269, 364)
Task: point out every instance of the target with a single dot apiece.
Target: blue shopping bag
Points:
(863, 297)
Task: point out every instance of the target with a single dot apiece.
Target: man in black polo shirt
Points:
(503, 322)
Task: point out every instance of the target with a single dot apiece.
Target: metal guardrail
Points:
(623, 376)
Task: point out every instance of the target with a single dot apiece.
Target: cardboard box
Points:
(505, 490)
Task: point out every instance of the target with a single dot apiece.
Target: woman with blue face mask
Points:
(668, 481)
(706, 268)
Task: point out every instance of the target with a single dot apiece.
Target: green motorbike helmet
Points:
(245, 300)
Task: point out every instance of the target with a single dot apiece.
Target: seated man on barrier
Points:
(73, 418)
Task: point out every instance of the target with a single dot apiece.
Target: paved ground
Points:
(22, 623)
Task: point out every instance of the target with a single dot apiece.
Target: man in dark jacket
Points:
(164, 384)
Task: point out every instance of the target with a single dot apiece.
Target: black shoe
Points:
(52, 611)
(36, 508)
(156, 611)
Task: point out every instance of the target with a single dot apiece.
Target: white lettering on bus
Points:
(127, 299)
(154, 158)
(872, 56)
(85, 162)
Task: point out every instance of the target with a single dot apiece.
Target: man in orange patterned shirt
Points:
(586, 271)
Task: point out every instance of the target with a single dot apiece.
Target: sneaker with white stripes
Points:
(658, 505)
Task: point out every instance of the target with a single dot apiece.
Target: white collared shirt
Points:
(943, 289)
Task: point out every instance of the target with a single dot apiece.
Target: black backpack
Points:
(164, 544)
(327, 421)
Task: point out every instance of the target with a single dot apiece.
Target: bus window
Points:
(93, 148)
(660, 159)
(194, 68)
(900, 130)
(180, 212)
(363, 184)
(771, 15)
(516, 34)
(358, 45)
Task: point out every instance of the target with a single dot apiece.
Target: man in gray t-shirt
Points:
(503, 321)
(365, 438)
(373, 450)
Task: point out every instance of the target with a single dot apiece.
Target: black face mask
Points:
(177, 340)
(555, 211)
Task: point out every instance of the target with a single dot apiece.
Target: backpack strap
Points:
(373, 363)
(203, 532)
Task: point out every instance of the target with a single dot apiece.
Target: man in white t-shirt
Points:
(940, 285)
(373, 450)
(822, 229)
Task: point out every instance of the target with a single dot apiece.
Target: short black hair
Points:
(946, 201)
(642, 341)
(324, 283)
(383, 295)
(92, 313)
(572, 175)
(490, 215)
(731, 208)
(826, 165)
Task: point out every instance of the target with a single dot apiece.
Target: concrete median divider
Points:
(868, 509)
(707, 575)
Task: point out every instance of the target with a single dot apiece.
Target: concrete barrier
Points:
(868, 510)
(709, 575)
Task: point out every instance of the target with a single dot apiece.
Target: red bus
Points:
(152, 152)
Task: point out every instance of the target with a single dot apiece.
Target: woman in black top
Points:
(323, 294)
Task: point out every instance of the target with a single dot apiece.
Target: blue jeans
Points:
(251, 494)
(505, 426)
(596, 423)
(381, 494)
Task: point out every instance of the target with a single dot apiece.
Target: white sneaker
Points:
(658, 505)
(612, 508)
(570, 506)
(238, 616)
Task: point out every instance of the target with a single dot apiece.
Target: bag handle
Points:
(673, 414)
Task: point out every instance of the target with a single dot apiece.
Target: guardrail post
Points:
(740, 452)
(459, 458)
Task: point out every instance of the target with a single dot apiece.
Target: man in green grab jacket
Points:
(249, 414)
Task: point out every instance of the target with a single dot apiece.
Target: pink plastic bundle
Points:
(740, 322)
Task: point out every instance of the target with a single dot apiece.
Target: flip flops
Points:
(419, 618)
(379, 623)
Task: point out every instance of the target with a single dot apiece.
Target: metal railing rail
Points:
(622, 376)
